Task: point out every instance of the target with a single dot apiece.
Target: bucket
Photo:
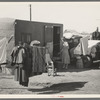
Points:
(79, 62)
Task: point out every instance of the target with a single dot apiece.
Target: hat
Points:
(34, 42)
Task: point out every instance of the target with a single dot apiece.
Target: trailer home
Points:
(26, 31)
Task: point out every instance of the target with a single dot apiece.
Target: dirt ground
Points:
(71, 81)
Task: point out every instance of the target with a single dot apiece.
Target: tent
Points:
(68, 34)
(7, 30)
(3, 45)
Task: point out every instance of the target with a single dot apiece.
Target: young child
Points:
(50, 65)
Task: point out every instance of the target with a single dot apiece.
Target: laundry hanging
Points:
(38, 60)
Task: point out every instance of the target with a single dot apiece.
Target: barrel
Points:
(79, 62)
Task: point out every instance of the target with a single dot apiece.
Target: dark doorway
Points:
(56, 41)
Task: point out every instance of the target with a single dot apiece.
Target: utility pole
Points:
(30, 13)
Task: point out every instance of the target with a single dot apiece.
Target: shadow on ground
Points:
(61, 87)
(78, 70)
(73, 70)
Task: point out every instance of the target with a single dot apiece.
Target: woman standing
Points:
(65, 54)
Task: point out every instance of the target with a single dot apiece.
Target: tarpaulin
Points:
(78, 50)
(82, 47)
(84, 43)
(3, 53)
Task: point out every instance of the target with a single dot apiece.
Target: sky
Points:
(79, 16)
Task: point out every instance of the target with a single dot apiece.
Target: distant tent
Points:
(71, 31)
(68, 34)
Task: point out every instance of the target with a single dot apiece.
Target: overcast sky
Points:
(79, 16)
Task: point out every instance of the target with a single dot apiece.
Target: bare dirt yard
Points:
(71, 81)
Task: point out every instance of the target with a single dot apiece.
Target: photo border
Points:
(87, 97)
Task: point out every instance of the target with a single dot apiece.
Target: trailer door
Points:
(48, 34)
(56, 40)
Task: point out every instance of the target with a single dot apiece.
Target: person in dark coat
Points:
(21, 61)
(25, 67)
(14, 54)
(28, 59)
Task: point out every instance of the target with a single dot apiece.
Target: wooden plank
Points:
(96, 61)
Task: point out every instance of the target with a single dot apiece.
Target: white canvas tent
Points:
(7, 29)
(68, 34)
(3, 47)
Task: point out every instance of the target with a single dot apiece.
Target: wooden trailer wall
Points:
(35, 29)
(27, 31)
